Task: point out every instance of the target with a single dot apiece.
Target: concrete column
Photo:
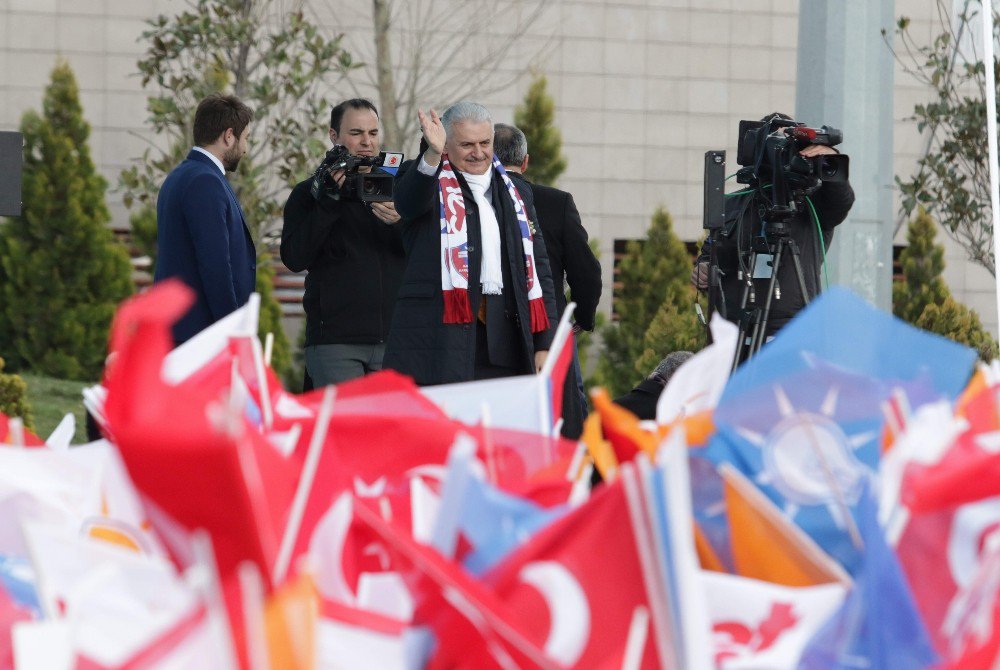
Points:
(845, 80)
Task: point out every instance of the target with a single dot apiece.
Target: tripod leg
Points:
(761, 336)
(742, 350)
(797, 263)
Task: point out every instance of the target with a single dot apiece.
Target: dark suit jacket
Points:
(420, 344)
(570, 257)
(202, 238)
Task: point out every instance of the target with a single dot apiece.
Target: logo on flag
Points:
(735, 639)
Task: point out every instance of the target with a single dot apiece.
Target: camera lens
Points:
(369, 187)
(828, 170)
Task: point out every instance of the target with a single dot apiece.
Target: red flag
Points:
(559, 372)
(577, 586)
(7, 438)
(969, 470)
(972, 628)
(473, 627)
(10, 613)
(185, 449)
(940, 552)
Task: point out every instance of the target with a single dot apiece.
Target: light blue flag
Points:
(496, 523)
(17, 578)
(878, 625)
(803, 419)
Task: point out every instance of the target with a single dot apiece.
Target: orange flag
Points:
(290, 619)
(599, 449)
(697, 428)
(622, 429)
(766, 545)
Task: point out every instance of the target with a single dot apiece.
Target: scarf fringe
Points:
(539, 317)
(456, 306)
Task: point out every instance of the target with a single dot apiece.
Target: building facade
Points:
(642, 89)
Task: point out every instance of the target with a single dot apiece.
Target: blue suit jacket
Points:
(202, 238)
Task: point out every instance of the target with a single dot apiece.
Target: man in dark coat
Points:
(811, 228)
(477, 298)
(642, 400)
(570, 258)
(201, 235)
(354, 256)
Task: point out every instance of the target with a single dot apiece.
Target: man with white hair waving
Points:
(477, 299)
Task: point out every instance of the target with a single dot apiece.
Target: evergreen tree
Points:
(955, 321)
(270, 318)
(653, 272)
(923, 263)
(674, 328)
(13, 397)
(535, 117)
(62, 274)
(923, 299)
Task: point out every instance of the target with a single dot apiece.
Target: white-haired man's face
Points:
(470, 146)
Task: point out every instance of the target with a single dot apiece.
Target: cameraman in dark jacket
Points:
(832, 201)
(353, 252)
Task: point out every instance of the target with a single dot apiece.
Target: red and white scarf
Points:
(455, 253)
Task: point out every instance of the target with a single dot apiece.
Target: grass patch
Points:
(51, 399)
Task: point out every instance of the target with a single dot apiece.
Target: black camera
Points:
(769, 151)
(364, 186)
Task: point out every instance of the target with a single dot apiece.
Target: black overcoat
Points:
(570, 256)
(420, 344)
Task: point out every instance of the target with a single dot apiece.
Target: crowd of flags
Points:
(833, 504)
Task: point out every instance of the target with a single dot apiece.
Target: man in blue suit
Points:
(202, 236)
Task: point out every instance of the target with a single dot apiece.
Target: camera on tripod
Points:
(769, 153)
(364, 186)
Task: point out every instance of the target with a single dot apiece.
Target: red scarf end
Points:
(539, 317)
(456, 306)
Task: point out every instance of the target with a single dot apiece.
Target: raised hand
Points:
(433, 130)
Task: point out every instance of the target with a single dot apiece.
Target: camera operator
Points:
(352, 250)
(832, 201)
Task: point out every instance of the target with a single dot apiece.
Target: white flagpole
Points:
(991, 131)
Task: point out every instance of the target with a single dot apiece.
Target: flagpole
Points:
(991, 134)
(316, 444)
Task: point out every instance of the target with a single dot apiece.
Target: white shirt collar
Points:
(215, 160)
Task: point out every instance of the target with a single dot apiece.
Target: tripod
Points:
(753, 321)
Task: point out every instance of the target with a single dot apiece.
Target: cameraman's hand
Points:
(817, 150)
(338, 176)
(385, 212)
(699, 276)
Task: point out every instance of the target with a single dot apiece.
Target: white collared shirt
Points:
(215, 160)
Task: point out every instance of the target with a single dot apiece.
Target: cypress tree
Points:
(674, 328)
(923, 263)
(62, 274)
(13, 397)
(535, 116)
(955, 321)
(654, 277)
(923, 299)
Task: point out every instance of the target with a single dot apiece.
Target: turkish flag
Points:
(940, 552)
(202, 463)
(969, 470)
(474, 629)
(972, 629)
(577, 587)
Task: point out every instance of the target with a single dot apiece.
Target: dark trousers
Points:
(484, 368)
